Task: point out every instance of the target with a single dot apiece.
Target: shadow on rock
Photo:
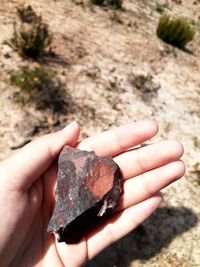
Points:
(148, 239)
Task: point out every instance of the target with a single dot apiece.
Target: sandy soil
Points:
(101, 51)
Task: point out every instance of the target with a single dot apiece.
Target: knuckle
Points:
(132, 218)
(142, 164)
(107, 234)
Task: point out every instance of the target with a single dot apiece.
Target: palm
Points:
(141, 171)
(43, 249)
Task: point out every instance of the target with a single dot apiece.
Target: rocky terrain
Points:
(102, 54)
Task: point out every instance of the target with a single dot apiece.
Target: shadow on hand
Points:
(148, 239)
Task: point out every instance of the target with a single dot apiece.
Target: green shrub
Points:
(98, 2)
(40, 86)
(111, 3)
(31, 39)
(160, 8)
(32, 81)
(26, 14)
(176, 32)
(115, 3)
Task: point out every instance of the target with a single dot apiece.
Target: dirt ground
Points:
(100, 52)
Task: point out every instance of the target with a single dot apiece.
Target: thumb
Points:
(26, 166)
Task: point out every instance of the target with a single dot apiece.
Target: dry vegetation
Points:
(103, 66)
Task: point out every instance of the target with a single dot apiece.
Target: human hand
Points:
(27, 192)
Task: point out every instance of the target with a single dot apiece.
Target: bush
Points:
(176, 32)
(98, 2)
(32, 81)
(27, 14)
(40, 86)
(31, 39)
(115, 3)
(160, 8)
(111, 3)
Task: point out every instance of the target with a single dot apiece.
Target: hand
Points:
(27, 192)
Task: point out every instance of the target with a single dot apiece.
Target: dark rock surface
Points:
(88, 189)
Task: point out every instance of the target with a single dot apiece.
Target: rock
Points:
(88, 189)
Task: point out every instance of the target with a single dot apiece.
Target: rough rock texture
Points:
(88, 188)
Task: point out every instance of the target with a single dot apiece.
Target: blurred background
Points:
(104, 63)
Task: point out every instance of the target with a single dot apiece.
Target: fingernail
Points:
(70, 126)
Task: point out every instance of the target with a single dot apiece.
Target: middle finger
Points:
(135, 162)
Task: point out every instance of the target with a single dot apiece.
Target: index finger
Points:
(115, 141)
(23, 168)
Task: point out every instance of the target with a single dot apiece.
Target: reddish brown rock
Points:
(88, 189)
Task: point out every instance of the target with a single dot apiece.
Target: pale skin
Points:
(27, 184)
